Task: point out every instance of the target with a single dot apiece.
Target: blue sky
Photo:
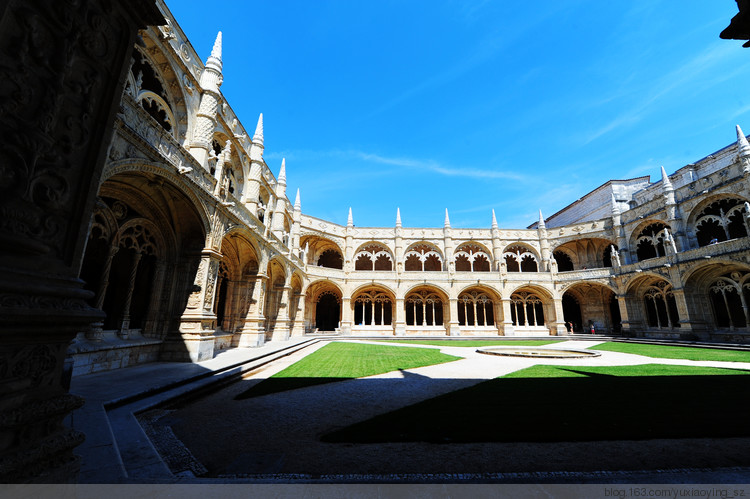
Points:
(470, 106)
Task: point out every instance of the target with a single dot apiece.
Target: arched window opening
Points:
(528, 264)
(481, 263)
(424, 308)
(650, 241)
(373, 308)
(363, 262)
(463, 264)
(472, 258)
(423, 258)
(730, 297)
(332, 259)
(149, 92)
(128, 295)
(527, 309)
(661, 307)
(384, 262)
(373, 257)
(564, 263)
(721, 221)
(520, 259)
(475, 309)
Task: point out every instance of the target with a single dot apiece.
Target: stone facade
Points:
(196, 246)
(63, 67)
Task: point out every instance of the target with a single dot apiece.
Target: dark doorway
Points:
(572, 312)
(327, 312)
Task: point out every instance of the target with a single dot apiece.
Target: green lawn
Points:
(560, 403)
(475, 343)
(675, 352)
(338, 361)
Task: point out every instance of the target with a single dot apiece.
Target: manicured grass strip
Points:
(338, 361)
(561, 403)
(475, 343)
(675, 352)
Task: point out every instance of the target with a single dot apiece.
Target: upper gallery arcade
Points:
(195, 245)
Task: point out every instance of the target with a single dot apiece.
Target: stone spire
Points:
(743, 151)
(541, 221)
(447, 222)
(398, 217)
(350, 219)
(282, 172)
(494, 219)
(297, 202)
(214, 60)
(743, 148)
(205, 122)
(665, 182)
(258, 137)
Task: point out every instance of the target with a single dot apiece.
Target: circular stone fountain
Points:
(538, 352)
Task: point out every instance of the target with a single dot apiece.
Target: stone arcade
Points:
(194, 245)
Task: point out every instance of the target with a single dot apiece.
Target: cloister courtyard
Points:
(421, 410)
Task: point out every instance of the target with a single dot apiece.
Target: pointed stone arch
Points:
(423, 257)
(373, 256)
(519, 257)
(719, 218)
(323, 301)
(472, 257)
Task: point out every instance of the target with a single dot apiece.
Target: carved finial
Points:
(398, 217)
(665, 182)
(494, 219)
(282, 172)
(214, 60)
(350, 219)
(297, 202)
(743, 147)
(258, 137)
(447, 220)
(541, 221)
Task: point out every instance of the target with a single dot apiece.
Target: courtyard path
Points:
(279, 433)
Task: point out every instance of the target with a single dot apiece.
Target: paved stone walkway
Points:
(279, 433)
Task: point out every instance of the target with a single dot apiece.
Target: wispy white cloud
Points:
(403, 162)
(687, 73)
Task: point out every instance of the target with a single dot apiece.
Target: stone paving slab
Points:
(279, 433)
(114, 436)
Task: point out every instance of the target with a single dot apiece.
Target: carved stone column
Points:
(198, 321)
(507, 323)
(281, 330)
(627, 329)
(400, 313)
(125, 323)
(557, 327)
(686, 323)
(253, 332)
(63, 67)
(498, 312)
(95, 332)
(298, 329)
(346, 315)
(155, 307)
(453, 327)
